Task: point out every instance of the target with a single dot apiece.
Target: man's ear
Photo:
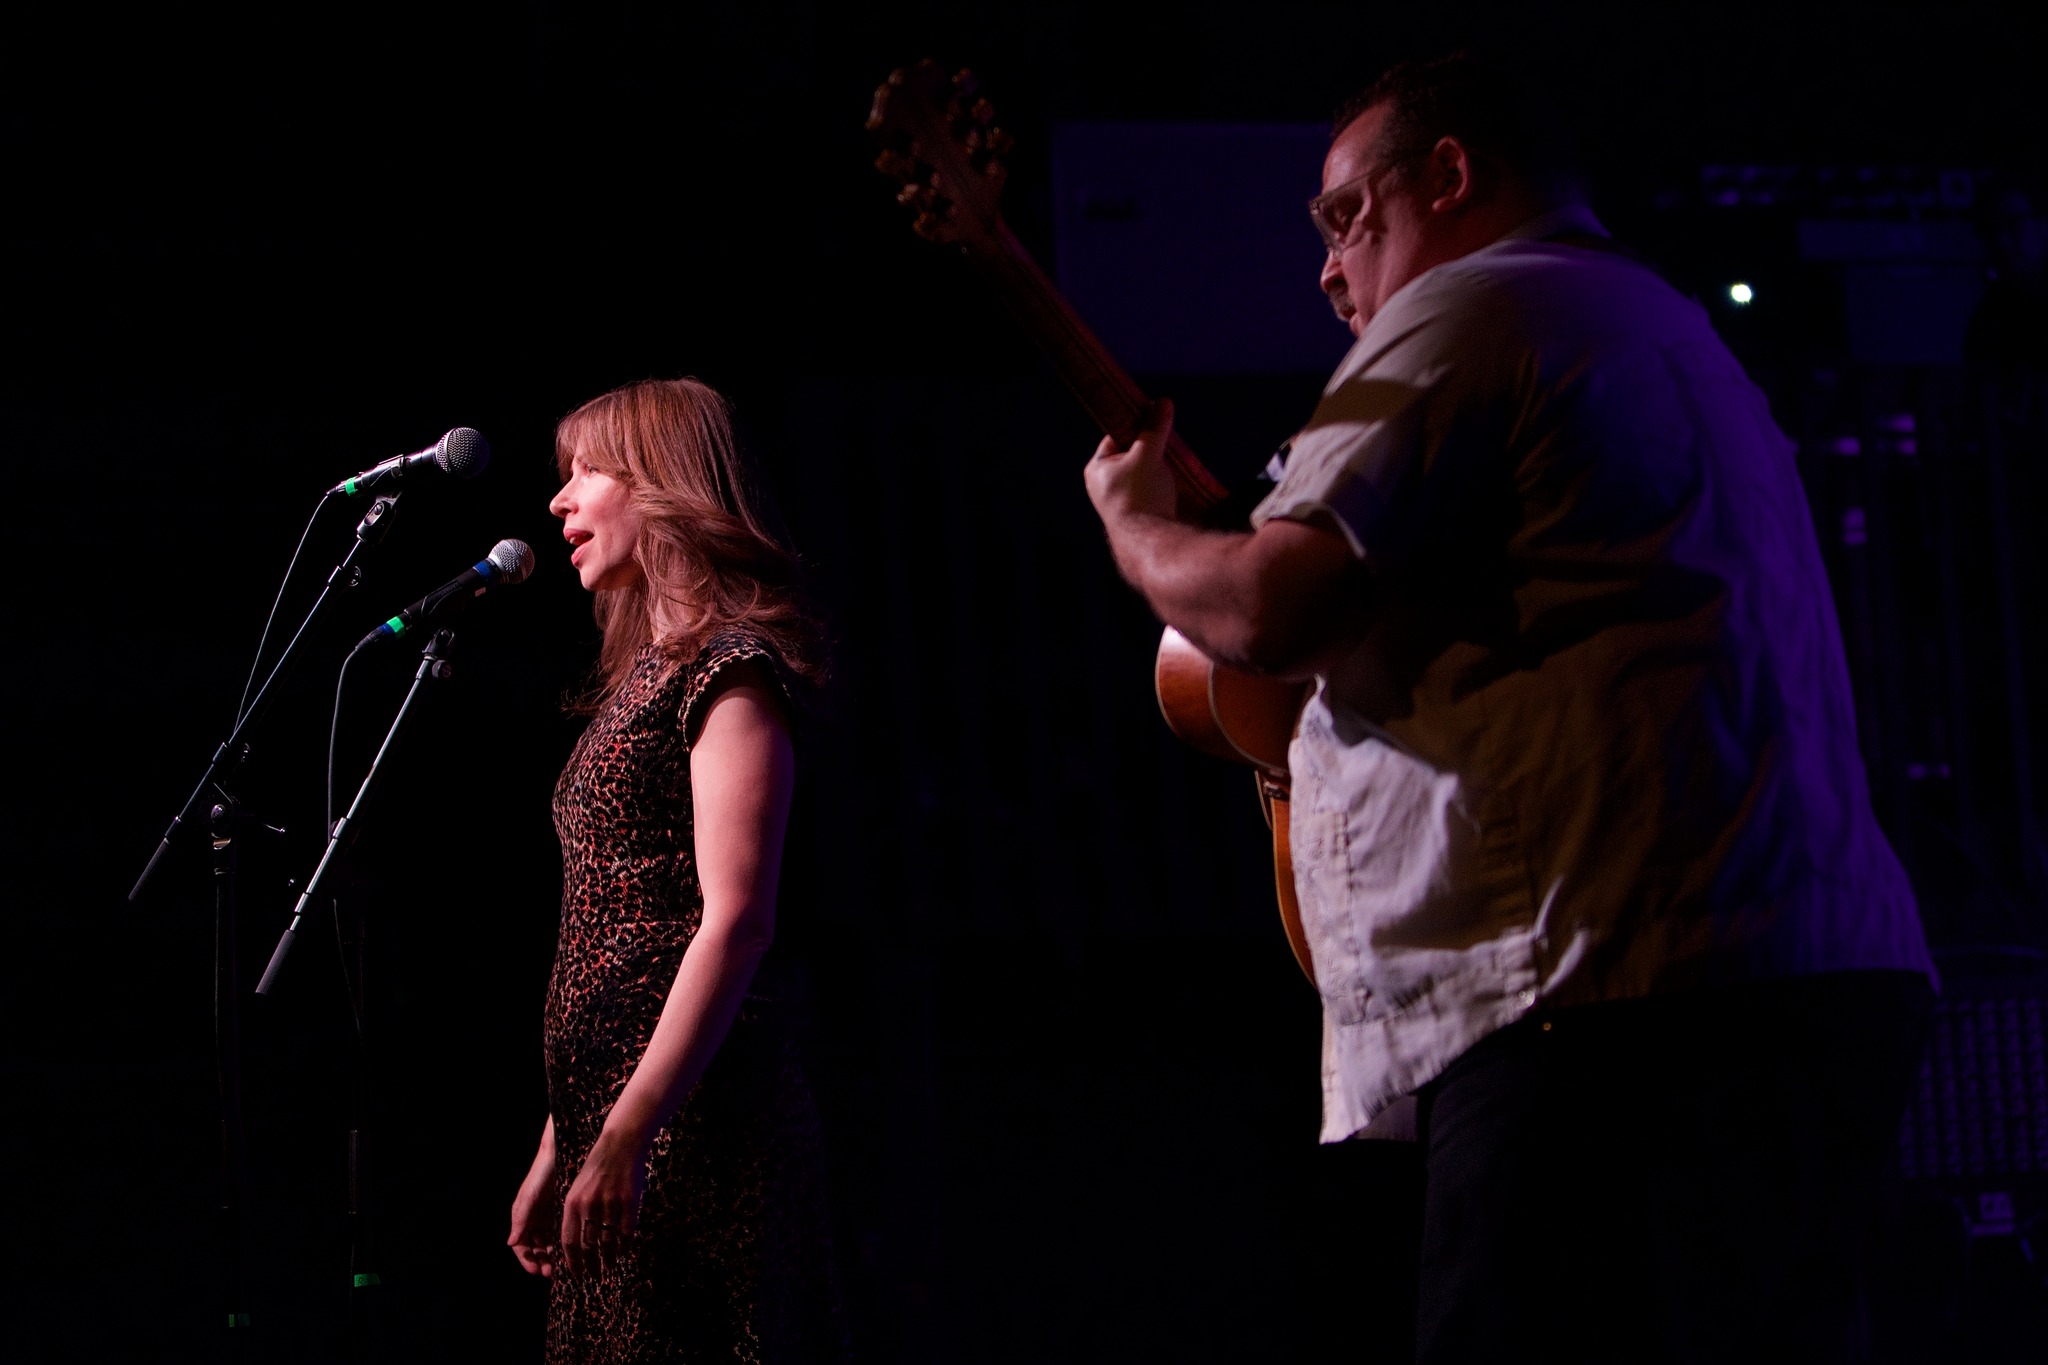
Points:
(1450, 175)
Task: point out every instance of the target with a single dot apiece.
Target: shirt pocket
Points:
(1316, 836)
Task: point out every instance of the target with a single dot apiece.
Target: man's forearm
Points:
(1282, 600)
(1194, 579)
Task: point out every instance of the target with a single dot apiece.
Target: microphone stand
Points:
(228, 822)
(433, 664)
(361, 1330)
(235, 747)
(363, 1318)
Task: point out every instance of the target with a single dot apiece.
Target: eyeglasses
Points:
(1336, 209)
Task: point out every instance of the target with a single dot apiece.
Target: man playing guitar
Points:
(1583, 846)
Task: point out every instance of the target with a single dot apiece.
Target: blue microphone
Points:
(509, 562)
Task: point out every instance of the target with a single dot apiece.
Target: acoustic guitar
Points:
(941, 145)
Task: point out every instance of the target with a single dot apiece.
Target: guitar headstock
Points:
(941, 145)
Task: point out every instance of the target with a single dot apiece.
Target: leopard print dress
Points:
(732, 1261)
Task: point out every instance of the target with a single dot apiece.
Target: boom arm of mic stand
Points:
(433, 664)
(233, 749)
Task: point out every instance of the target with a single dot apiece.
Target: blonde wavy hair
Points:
(705, 546)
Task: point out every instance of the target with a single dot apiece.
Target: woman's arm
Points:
(741, 774)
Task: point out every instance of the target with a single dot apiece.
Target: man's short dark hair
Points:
(1478, 100)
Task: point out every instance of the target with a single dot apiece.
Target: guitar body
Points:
(1241, 718)
(940, 142)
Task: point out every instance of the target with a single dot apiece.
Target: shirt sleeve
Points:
(1395, 426)
(716, 666)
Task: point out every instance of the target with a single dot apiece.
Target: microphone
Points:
(463, 452)
(509, 562)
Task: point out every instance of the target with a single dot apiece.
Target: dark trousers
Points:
(1695, 1177)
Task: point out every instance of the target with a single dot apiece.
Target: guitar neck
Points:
(1110, 396)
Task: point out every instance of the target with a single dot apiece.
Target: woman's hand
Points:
(534, 1217)
(603, 1206)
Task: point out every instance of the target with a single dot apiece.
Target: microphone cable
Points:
(348, 985)
(365, 1081)
(256, 664)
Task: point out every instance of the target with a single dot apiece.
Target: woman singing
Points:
(675, 1201)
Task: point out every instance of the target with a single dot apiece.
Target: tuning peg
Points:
(896, 165)
(1000, 142)
(915, 196)
(930, 226)
(983, 112)
(878, 111)
(964, 82)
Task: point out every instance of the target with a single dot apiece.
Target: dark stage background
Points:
(1067, 1067)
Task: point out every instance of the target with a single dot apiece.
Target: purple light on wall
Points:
(1188, 246)
(1908, 289)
